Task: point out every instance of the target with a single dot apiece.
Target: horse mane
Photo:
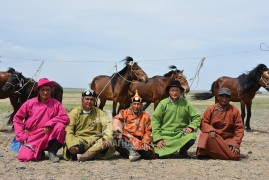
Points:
(170, 73)
(249, 79)
(11, 70)
(174, 69)
(115, 76)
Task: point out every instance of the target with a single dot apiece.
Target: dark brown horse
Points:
(243, 89)
(155, 89)
(115, 87)
(13, 97)
(23, 88)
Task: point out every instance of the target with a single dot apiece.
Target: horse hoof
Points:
(248, 129)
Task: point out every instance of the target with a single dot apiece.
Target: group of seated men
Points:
(42, 124)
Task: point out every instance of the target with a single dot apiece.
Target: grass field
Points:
(72, 98)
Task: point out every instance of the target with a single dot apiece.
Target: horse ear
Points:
(182, 71)
(131, 63)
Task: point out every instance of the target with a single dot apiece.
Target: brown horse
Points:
(13, 97)
(23, 88)
(243, 89)
(115, 88)
(155, 89)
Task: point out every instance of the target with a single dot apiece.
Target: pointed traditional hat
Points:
(136, 97)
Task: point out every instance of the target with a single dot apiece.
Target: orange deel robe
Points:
(229, 129)
(136, 128)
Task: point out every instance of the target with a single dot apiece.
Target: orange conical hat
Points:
(136, 97)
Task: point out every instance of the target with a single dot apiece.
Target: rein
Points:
(265, 83)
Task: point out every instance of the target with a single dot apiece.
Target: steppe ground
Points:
(253, 165)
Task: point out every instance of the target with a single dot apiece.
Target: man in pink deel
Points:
(40, 124)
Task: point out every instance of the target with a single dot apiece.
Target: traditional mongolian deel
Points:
(135, 128)
(229, 128)
(88, 129)
(168, 121)
(31, 134)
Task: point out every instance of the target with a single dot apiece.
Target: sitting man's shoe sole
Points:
(53, 157)
(87, 156)
(134, 157)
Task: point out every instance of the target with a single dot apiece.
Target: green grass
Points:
(72, 98)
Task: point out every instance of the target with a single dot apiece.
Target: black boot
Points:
(183, 153)
(53, 147)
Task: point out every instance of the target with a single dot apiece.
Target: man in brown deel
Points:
(222, 130)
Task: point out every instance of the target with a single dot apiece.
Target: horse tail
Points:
(204, 95)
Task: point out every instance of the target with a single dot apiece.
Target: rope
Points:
(32, 80)
(108, 81)
(200, 65)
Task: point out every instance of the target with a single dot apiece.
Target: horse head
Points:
(183, 81)
(14, 82)
(136, 71)
(178, 75)
(264, 80)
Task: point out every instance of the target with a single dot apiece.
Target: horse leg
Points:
(243, 113)
(156, 104)
(114, 108)
(102, 104)
(248, 116)
(121, 106)
(16, 105)
(145, 106)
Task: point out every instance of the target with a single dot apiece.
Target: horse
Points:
(243, 89)
(155, 89)
(23, 88)
(13, 97)
(115, 87)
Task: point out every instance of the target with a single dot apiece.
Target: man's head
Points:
(175, 90)
(136, 103)
(88, 99)
(224, 96)
(44, 89)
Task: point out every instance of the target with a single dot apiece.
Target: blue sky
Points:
(78, 40)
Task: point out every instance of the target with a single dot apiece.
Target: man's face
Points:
(44, 93)
(88, 102)
(224, 100)
(136, 106)
(174, 93)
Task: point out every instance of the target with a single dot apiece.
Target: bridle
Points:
(19, 84)
(265, 75)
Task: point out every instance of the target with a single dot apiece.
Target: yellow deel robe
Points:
(90, 129)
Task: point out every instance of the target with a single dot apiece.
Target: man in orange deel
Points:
(132, 132)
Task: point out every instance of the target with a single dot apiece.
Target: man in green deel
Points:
(174, 123)
(89, 132)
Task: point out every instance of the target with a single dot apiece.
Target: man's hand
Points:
(47, 129)
(212, 134)
(187, 130)
(145, 146)
(105, 144)
(161, 144)
(234, 149)
(74, 150)
(117, 134)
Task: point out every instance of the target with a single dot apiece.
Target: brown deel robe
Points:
(229, 128)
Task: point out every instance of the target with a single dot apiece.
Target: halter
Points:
(20, 83)
(266, 84)
(131, 64)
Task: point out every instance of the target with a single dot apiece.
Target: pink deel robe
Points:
(38, 115)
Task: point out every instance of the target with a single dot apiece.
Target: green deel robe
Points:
(90, 129)
(168, 121)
